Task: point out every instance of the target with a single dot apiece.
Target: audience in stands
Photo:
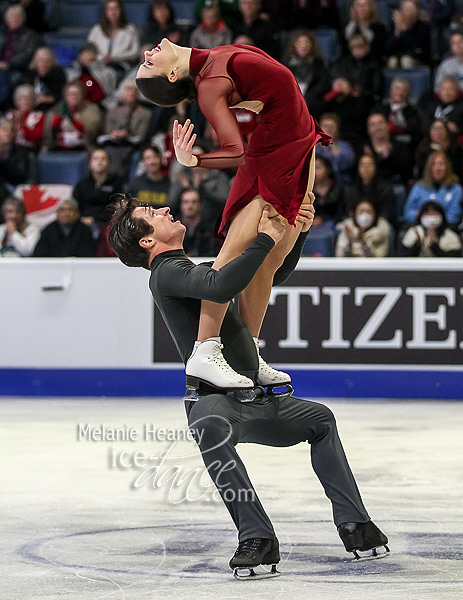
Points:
(14, 160)
(98, 79)
(364, 19)
(115, 38)
(329, 195)
(452, 66)
(75, 123)
(93, 192)
(151, 187)
(199, 237)
(125, 128)
(409, 44)
(252, 26)
(229, 9)
(439, 137)
(212, 30)
(47, 77)
(340, 152)
(17, 236)
(365, 234)
(447, 105)
(440, 184)
(304, 59)
(28, 123)
(160, 24)
(431, 236)
(67, 236)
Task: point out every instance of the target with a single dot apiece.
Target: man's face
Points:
(99, 162)
(67, 214)
(456, 44)
(87, 57)
(190, 205)
(377, 125)
(152, 161)
(165, 229)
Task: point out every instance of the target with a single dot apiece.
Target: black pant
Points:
(223, 422)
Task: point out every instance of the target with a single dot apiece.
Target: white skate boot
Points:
(268, 376)
(207, 364)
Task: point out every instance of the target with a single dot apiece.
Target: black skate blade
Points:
(373, 554)
(246, 573)
(280, 390)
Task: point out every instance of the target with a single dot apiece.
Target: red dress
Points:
(277, 159)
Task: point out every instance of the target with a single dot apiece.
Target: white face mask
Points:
(364, 220)
(431, 221)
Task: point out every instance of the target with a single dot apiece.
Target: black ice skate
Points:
(365, 540)
(252, 553)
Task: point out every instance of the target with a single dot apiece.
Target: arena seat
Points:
(136, 11)
(319, 243)
(62, 167)
(79, 14)
(184, 11)
(65, 46)
(329, 44)
(419, 78)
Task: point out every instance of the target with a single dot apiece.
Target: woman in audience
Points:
(28, 123)
(115, 38)
(17, 236)
(439, 184)
(365, 234)
(47, 77)
(431, 235)
(304, 60)
(364, 19)
(439, 137)
(160, 24)
(212, 31)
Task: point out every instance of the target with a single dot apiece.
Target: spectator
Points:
(17, 44)
(439, 137)
(365, 234)
(99, 80)
(75, 123)
(199, 236)
(361, 67)
(212, 30)
(403, 119)
(17, 236)
(160, 24)
(229, 9)
(431, 235)
(94, 192)
(447, 106)
(47, 77)
(364, 19)
(35, 14)
(409, 45)
(369, 186)
(340, 152)
(115, 38)
(329, 195)
(304, 60)
(28, 123)
(393, 158)
(352, 110)
(14, 161)
(126, 125)
(260, 31)
(452, 66)
(439, 184)
(67, 236)
(316, 14)
(152, 187)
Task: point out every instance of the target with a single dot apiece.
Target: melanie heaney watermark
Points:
(169, 469)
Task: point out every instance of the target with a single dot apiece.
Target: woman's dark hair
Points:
(156, 3)
(373, 205)
(438, 208)
(328, 166)
(126, 231)
(105, 24)
(159, 90)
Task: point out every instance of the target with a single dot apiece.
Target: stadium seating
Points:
(62, 167)
(65, 46)
(419, 78)
(319, 242)
(136, 12)
(329, 44)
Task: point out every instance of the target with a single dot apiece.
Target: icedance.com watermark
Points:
(148, 433)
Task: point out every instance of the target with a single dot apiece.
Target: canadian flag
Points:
(42, 201)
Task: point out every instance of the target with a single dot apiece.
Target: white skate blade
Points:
(373, 554)
(260, 572)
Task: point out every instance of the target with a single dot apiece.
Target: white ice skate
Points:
(268, 376)
(207, 365)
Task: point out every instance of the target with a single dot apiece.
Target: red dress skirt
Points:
(277, 159)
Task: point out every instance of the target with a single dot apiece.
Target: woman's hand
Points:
(183, 139)
(305, 216)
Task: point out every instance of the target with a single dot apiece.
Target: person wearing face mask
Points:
(365, 234)
(431, 236)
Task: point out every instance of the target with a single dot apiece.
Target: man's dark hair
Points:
(126, 231)
(159, 90)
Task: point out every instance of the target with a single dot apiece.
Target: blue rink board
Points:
(323, 383)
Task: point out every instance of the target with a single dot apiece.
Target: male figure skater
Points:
(142, 236)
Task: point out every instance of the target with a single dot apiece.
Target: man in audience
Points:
(67, 236)
(199, 235)
(152, 187)
(14, 162)
(452, 66)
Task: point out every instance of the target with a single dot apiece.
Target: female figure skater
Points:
(276, 169)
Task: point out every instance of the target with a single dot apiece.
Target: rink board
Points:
(386, 328)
